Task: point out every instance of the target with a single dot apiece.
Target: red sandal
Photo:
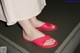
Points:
(47, 27)
(40, 41)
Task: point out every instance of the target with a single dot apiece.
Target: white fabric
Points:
(16, 10)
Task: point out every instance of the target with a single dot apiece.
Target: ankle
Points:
(33, 35)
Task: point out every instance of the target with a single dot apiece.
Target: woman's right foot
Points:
(40, 25)
(44, 25)
(34, 34)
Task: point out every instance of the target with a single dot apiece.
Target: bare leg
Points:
(31, 33)
(37, 23)
(30, 30)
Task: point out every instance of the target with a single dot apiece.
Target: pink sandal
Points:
(47, 27)
(40, 41)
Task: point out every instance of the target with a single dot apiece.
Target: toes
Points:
(49, 42)
(53, 26)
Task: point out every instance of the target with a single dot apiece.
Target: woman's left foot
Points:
(45, 42)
